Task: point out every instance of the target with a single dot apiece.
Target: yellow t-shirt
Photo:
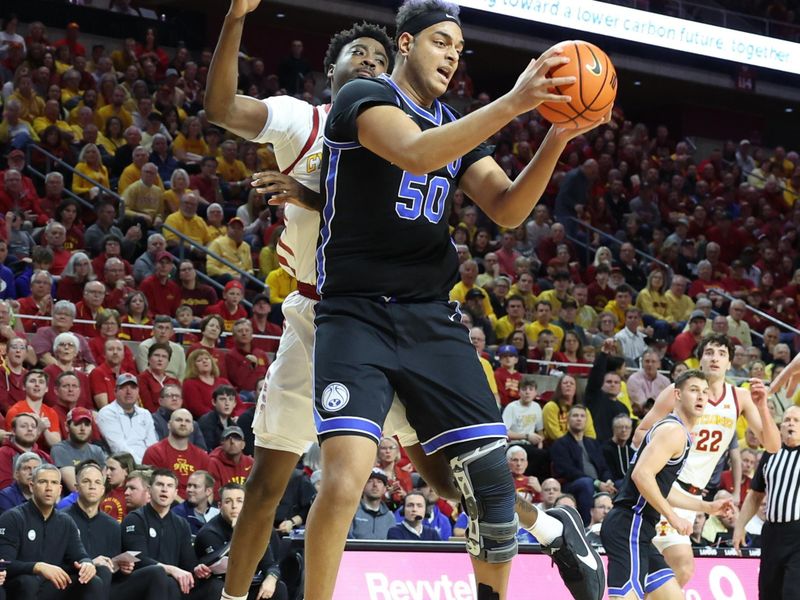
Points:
(555, 421)
(235, 171)
(198, 146)
(194, 228)
(534, 329)
(81, 185)
(459, 294)
(280, 284)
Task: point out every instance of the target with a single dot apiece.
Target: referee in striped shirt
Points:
(777, 476)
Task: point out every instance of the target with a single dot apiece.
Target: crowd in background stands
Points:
(679, 247)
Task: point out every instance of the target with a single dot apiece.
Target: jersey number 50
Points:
(421, 196)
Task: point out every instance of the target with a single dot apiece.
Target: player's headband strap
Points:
(422, 21)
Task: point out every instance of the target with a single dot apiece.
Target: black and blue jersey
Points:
(385, 231)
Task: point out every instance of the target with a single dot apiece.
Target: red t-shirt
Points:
(270, 329)
(60, 260)
(229, 317)
(243, 374)
(28, 306)
(507, 385)
(197, 395)
(181, 462)
(103, 380)
(83, 313)
(114, 503)
(683, 346)
(150, 388)
(12, 390)
(163, 298)
(218, 354)
(23, 407)
(84, 400)
(98, 347)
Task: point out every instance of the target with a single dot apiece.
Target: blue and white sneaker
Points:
(578, 562)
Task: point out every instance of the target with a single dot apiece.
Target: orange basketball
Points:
(593, 92)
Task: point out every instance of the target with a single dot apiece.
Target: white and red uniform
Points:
(284, 414)
(711, 436)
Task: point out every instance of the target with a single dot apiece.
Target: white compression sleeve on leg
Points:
(546, 528)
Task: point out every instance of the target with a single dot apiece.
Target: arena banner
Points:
(653, 29)
(368, 575)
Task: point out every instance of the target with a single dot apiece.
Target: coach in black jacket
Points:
(579, 462)
(163, 538)
(42, 548)
(213, 542)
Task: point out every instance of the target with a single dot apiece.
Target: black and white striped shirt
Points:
(778, 475)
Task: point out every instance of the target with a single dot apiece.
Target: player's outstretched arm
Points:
(749, 508)
(662, 407)
(389, 133)
(509, 203)
(668, 442)
(242, 115)
(753, 403)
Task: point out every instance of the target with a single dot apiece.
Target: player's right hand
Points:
(682, 526)
(239, 8)
(533, 85)
(720, 507)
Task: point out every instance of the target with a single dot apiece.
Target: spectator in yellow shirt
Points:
(234, 250)
(116, 108)
(189, 145)
(186, 222)
(544, 320)
(144, 199)
(30, 104)
(524, 288)
(623, 299)
(90, 165)
(133, 172)
(556, 411)
(679, 304)
(280, 284)
(232, 170)
(13, 130)
(52, 116)
(469, 273)
(478, 339)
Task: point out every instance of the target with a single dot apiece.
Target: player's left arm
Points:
(285, 188)
(753, 404)
(508, 203)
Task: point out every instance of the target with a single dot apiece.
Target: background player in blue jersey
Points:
(635, 568)
(394, 156)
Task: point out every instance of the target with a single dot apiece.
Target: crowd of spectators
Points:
(116, 350)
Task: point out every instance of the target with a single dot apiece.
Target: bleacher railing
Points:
(183, 239)
(649, 258)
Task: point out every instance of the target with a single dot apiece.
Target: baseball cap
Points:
(234, 283)
(164, 255)
(378, 474)
(126, 378)
(232, 430)
(73, 25)
(171, 71)
(473, 293)
(79, 414)
(236, 220)
(697, 314)
(616, 270)
(260, 298)
(507, 350)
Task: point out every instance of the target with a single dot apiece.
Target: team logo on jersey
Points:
(152, 532)
(335, 397)
(313, 162)
(31, 534)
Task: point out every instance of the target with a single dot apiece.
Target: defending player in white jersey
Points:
(711, 436)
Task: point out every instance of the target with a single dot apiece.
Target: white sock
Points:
(546, 528)
(227, 596)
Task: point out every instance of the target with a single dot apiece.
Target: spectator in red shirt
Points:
(545, 351)
(197, 295)
(206, 182)
(55, 236)
(118, 285)
(155, 376)
(48, 431)
(65, 351)
(507, 376)
(70, 40)
(211, 328)
(705, 281)
(103, 379)
(163, 294)
(263, 326)
(39, 303)
(202, 378)
(15, 196)
(118, 467)
(685, 343)
(600, 293)
(750, 459)
(228, 463)
(77, 272)
(112, 248)
(88, 309)
(230, 308)
(63, 317)
(244, 363)
(176, 453)
(507, 254)
(527, 487)
(12, 388)
(25, 429)
(108, 325)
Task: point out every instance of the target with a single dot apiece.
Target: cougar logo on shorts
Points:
(335, 397)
